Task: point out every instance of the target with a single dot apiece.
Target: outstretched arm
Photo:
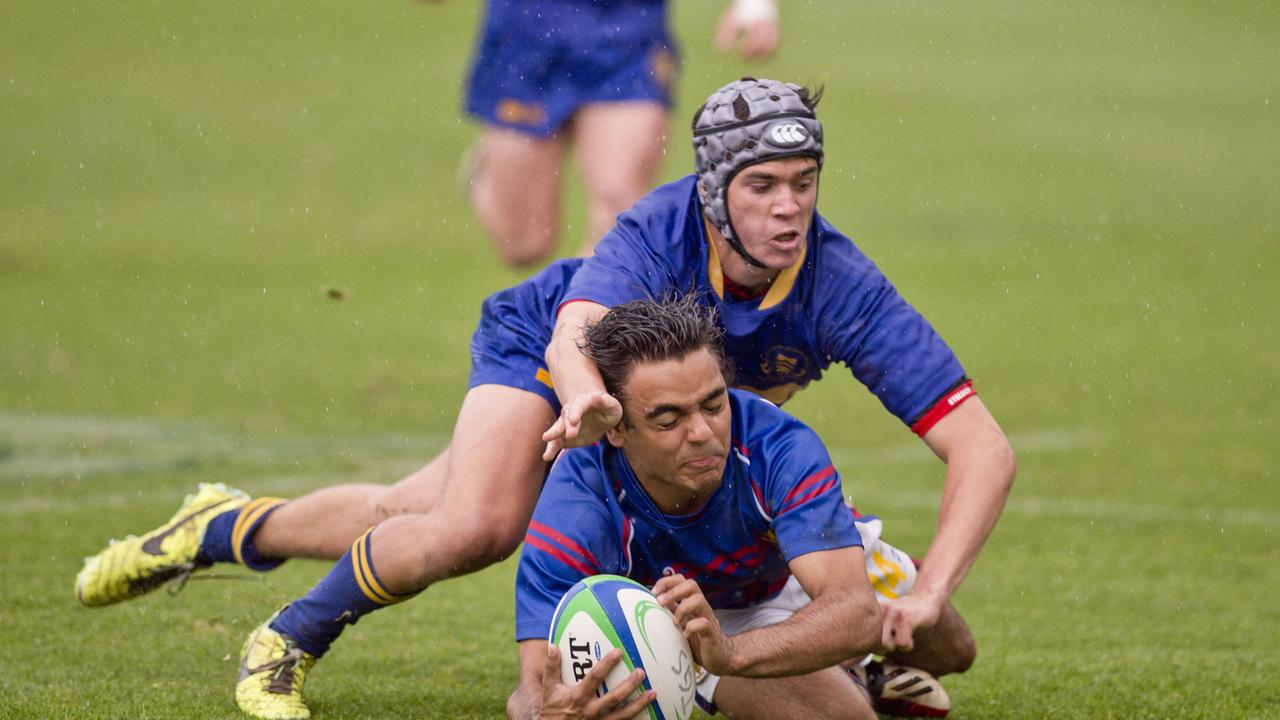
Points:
(842, 621)
(587, 410)
(980, 472)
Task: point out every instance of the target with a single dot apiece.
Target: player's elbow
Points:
(997, 459)
(862, 627)
(1005, 461)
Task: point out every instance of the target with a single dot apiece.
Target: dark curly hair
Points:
(651, 331)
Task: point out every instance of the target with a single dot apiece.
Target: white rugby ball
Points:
(604, 612)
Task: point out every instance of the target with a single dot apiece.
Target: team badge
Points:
(783, 362)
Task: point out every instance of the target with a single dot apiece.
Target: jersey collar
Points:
(781, 286)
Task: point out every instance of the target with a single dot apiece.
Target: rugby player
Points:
(732, 511)
(592, 75)
(793, 296)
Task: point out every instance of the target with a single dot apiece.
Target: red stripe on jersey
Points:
(815, 492)
(558, 554)
(789, 501)
(748, 556)
(565, 542)
(949, 402)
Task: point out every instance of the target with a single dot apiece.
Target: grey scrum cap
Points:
(743, 123)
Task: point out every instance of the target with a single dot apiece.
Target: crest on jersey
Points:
(783, 362)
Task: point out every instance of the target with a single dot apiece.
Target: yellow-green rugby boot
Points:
(137, 565)
(272, 671)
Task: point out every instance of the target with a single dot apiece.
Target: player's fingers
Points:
(554, 438)
(692, 608)
(594, 678)
(888, 634)
(624, 689)
(896, 631)
(904, 637)
(572, 413)
(679, 592)
(697, 627)
(633, 708)
(605, 409)
(691, 603)
(704, 640)
(555, 431)
(551, 670)
(666, 582)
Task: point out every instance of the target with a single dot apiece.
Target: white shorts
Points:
(891, 571)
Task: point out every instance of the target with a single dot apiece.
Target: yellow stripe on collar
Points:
(715, 273)
(778, 291)
(786, 279)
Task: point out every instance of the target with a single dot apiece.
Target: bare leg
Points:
(820, 695)
(323, 524)
(495, 472)
(516, 194)
(620, 149)
(947, 647)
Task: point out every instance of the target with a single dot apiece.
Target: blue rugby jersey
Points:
(781, 498)
(834, 306)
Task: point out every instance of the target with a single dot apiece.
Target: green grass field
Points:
(1083, 197)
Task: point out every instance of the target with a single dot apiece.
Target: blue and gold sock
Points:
(350, 591)
(229, 537)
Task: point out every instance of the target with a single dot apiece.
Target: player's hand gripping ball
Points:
(604, 612)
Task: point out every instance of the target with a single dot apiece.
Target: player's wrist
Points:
(931, 596)
(735, 658)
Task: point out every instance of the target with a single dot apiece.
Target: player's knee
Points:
(484, 544)
(381, 505)
(956, 654)
(964, 652)
(526, 246)
(618, 194)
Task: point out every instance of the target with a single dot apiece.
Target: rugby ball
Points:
(604, 612)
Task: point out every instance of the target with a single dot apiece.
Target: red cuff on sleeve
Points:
(952, 400)
(566, 303)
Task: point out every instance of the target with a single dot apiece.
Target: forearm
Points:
(525, 702)
(572, 372)
(978, 480)
(827, 631)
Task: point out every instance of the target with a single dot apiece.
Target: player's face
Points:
(771, 205)
(675, 430)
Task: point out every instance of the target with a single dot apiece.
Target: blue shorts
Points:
(533, 73)
(510, 342)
